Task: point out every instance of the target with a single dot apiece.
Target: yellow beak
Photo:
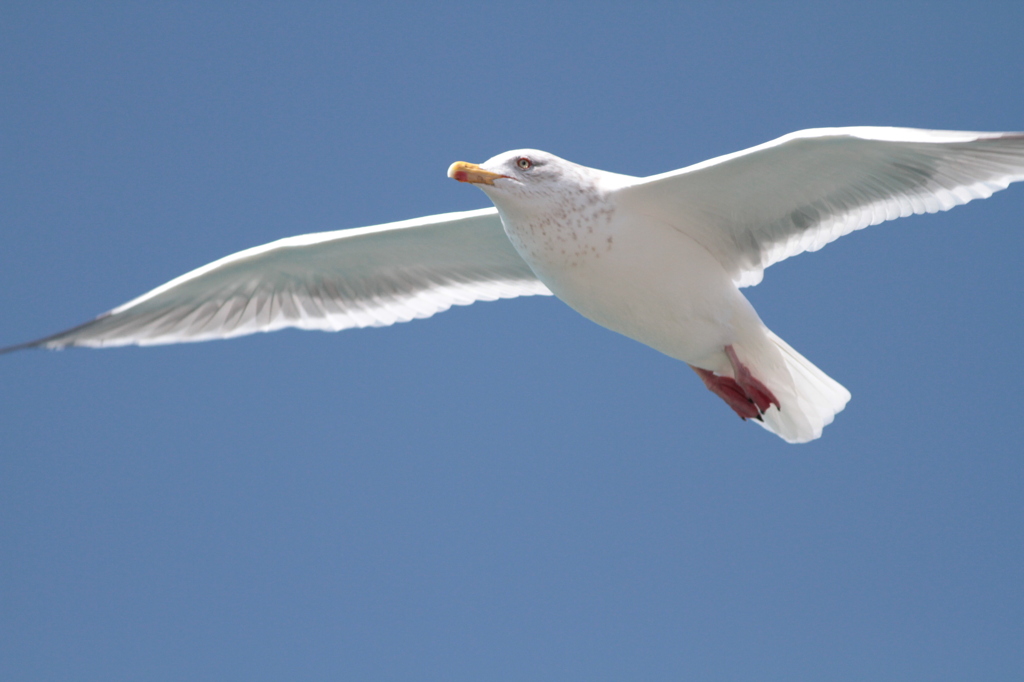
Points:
(470, 172)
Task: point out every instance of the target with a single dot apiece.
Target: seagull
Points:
(659, 259)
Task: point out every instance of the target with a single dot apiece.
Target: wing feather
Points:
(365, 277)
(759, 206)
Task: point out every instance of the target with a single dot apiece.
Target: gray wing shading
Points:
(759, 206)
(365, 277)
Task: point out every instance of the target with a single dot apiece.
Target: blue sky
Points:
(505, 491)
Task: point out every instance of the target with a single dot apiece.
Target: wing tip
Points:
(20, 346)
(60, 340)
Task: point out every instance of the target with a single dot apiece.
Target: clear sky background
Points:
(505, 491)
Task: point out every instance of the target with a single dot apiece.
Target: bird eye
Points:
(524, 163)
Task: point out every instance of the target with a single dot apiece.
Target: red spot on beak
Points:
(461, 176)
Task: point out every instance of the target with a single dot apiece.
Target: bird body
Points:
(643, 279)
(602, 253)
(659, 259)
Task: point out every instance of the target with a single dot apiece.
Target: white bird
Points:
(659, 259)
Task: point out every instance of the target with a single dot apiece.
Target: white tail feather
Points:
(809, 403)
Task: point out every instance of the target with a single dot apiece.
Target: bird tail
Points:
(809, 400)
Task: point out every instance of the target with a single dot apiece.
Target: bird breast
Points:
(566, 234)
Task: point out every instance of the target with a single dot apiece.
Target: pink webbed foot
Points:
(731, 392)
(746, 395)
(754, 389)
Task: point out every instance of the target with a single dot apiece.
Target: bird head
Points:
(523, 176)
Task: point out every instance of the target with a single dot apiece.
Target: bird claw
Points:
(746, 395)
(752, 387)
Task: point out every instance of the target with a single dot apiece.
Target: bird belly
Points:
(653, 284)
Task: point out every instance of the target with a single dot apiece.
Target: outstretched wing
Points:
(365, 277)
(759, 206)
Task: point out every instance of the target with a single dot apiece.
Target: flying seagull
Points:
(659, 259)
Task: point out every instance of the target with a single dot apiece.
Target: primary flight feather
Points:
(659, 259)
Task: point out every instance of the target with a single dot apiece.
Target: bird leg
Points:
(746, 395)
(754, 389)
(731, 392)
